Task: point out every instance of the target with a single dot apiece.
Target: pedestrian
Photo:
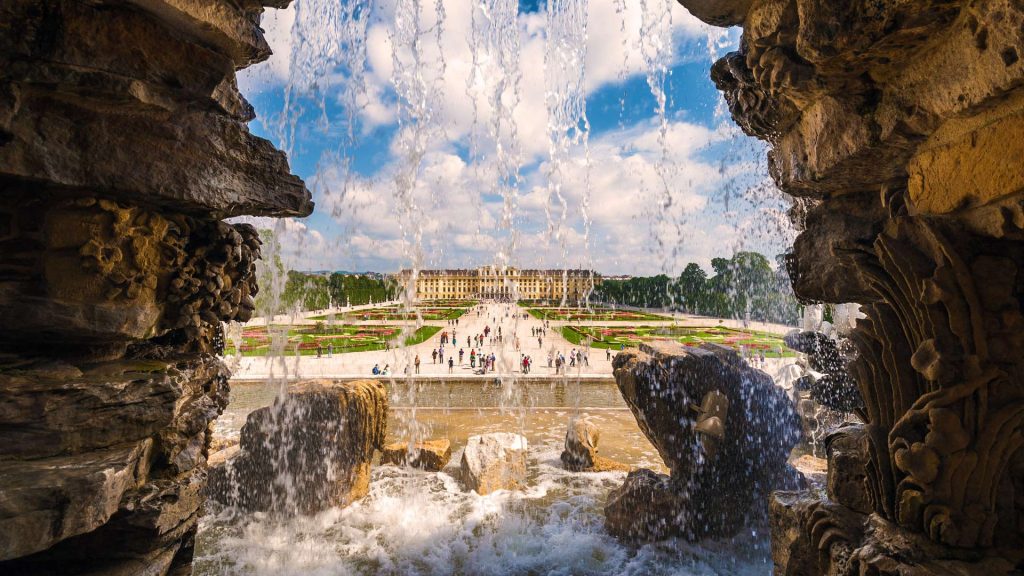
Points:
(451, 365)
(318, 350)
(417, 363)
(608, 354)
(434, 355)
(461, 352)
(330, 349)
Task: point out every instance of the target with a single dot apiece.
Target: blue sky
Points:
(449, 152)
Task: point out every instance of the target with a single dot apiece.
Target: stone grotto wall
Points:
(123, 146)
(898, 130)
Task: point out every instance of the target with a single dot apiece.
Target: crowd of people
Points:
(481, 352)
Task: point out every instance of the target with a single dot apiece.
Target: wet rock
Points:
(431, 455)
(494, 462)
(834, 389)
(847, 449)
(717, 12)
(724, 430)
(48, 500)
(321, 437)
(580, 454)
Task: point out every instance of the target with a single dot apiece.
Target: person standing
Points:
(434, 355)
(461, 352)
(451, 364)
(417, 361)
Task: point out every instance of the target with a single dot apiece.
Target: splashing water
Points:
(425, 523)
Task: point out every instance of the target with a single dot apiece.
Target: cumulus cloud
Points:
(640, 200)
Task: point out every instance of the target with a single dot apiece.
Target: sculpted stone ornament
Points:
(723, 429)
(895, 126)
(122, 145)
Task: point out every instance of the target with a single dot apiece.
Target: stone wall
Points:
(123, 145)
(898, 130)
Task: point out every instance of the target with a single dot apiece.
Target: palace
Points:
(503, 283)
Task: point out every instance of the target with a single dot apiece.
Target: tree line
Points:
(740, 285)
(318, 291)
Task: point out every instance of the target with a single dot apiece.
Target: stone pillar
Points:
(123, 145)
(898, 130)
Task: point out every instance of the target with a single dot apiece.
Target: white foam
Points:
(422, 523)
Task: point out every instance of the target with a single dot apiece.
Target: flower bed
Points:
(394, 313)
(597, 313)
(304, 340)
(616, 337)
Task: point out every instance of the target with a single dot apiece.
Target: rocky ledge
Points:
(723, 429)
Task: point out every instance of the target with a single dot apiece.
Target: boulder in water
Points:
(724, 430)
(580, 454)
(430, 455)
(307, 452)
(493, 462)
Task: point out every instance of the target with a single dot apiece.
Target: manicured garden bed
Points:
(396, 313)
(256, 341)
(600, 314)
(615, 337)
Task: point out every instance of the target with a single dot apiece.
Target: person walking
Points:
(461, 352)
(434, 355)
(330, 349)
(451, 364)
(417, 361)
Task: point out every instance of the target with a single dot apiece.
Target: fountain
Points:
(124, 147)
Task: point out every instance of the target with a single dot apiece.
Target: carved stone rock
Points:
(123, 142)
(322, 435)
(430, 455)
(580, 453)
(492, 462)
(896, 126)
(724, 430)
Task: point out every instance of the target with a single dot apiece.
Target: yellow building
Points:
(502, 283)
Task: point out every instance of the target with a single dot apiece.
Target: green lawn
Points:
(615, 337)
(303, 340)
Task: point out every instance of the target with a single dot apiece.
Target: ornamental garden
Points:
(307, 340)
(750, 341)
(399, 313)
(595, 313)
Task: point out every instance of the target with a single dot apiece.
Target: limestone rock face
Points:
(580, 454)
(895, 126)
(724, 430)
(430, 455)
(493, 462)
(321, 437)
(123, 143)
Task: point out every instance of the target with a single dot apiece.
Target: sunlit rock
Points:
(724, 430)
(580, 453)
(495, 461)
(431, 455)
(307, 452)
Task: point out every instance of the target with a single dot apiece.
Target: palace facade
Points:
(503, 283)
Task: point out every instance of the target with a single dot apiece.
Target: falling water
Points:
(424, 523)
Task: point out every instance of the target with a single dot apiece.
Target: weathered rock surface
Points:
(848, 458)
(123, 142)
(580, 454)
(495, 461)
(723, 429)
(321, 437)
(430, 455)
(896, 126)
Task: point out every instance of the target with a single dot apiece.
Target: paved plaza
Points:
(514, 322)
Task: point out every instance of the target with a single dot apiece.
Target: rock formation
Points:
(580, 453)
(495, 461)
(430, 455)
(123, 143)
(321, 437)
(723, 429)
(896, 128)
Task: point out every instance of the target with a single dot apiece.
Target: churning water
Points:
(414, 522)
